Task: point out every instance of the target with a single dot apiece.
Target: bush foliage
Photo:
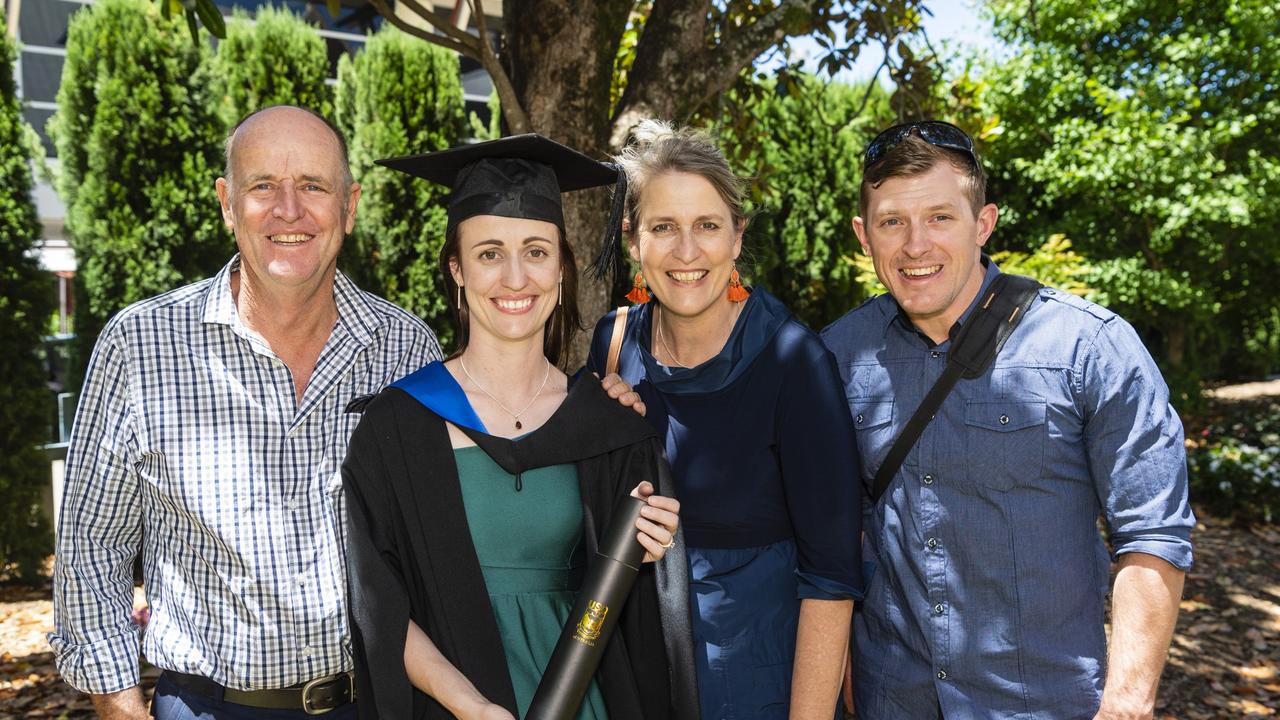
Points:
(800, 142)
(26, 299)
(273, 59)
(139, 148)
(400, 96)
(1235, 463)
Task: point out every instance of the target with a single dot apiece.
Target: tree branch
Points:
(459, 36)
(675, 71)
(385, 11)
(517, 119)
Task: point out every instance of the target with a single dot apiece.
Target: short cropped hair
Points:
(916, 156)
(347, 179)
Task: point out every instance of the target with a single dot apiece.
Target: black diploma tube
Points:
(594, 616)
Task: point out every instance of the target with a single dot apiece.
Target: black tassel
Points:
(609, 262)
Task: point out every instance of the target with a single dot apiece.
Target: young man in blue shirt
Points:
(987, 599)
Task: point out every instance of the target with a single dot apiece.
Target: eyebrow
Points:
(499, 243)
(704, 216)
(304, 178)
(932, 208)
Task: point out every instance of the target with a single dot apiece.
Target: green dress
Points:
(529, 542)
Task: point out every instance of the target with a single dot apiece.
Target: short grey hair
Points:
(657, 147)
(229, 145)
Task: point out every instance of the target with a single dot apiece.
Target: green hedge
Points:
(1235, 463)
(26, 300)
(273, 59)
(400, 96)
(139, 148)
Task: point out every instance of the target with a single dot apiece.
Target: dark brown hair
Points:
(915, 156)
(564, 322)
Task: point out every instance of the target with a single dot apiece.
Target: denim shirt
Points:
(990, 573)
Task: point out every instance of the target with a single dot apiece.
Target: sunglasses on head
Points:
(934, 132)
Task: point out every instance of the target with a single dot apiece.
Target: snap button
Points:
(933, 542)
(938, 608)
(942, 674)
(928, 479)
(1004, 419)
(935, 354)
(859, 419)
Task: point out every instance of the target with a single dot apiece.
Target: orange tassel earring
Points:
(639, 291)
(736, 292)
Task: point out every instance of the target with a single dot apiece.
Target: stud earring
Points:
(736, 292)
(639, 291)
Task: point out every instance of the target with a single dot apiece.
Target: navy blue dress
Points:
(761, 447)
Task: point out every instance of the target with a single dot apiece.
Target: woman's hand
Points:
(622, 392)
(492, 711)
(657, 523)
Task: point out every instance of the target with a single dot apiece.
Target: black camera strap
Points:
(972, 351)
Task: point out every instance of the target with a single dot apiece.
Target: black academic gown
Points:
(410, 556)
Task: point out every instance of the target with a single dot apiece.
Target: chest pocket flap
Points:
(869, 413)
(1005, 416)
(1004, 441)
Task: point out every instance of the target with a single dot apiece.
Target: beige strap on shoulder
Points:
(615, 343)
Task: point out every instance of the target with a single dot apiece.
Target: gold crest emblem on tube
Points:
(591, 622)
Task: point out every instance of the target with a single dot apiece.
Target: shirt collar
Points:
(356, 313)
(897, 313)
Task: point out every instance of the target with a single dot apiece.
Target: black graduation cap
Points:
(520, 176)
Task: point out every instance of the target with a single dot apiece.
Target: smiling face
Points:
(685, 240)
(926, 244)
(286, 201)
(509, 270)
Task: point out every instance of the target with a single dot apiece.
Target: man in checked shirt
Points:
(209, 436)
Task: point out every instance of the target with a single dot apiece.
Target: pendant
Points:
(519, 426)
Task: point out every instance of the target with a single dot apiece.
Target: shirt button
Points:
(942, 674)
(1004, 419)
(308, 651)
(859, 419)
(291, 504)
(928, 479)
(933, 542)
(938, 608)
(300, 579)
(935, 354)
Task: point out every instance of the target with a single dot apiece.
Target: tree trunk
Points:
(568, 101)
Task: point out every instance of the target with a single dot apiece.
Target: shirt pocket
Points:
(873, 428)
(1004, 441)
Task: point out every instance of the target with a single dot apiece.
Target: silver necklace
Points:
(663, 341)
(514, 415)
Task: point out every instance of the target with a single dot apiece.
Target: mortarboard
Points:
(521, 176)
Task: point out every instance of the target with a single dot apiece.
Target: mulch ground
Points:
(1224, 662)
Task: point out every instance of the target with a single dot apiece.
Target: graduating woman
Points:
(761, 445)
(478, 488)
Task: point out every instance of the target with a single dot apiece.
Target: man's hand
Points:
(622, 392)
(123, 705)
(1144, 611)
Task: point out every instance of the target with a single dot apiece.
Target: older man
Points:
(209, 436)
(987, 599)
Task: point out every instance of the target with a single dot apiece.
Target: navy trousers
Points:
(173, 703)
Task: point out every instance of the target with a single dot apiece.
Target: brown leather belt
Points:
(314, 697)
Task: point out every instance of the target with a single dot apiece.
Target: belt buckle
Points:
(308, 705)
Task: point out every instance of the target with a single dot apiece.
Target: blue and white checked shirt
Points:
(189, 444)
(987, 597)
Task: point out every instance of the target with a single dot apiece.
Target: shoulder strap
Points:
(972, 352)
(615, 342)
